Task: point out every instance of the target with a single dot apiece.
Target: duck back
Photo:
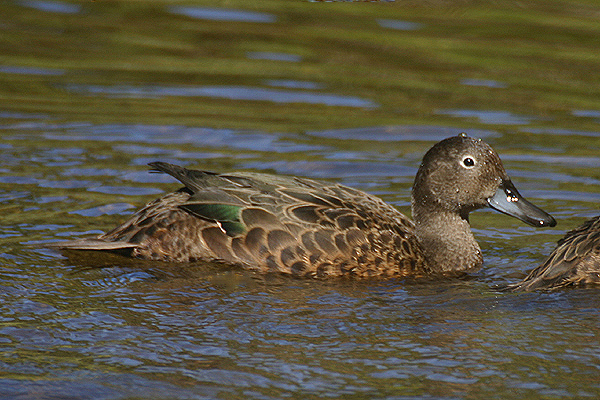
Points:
(269, 223)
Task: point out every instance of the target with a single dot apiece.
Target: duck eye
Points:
(468, 162)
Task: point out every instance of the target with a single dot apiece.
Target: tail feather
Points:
(92, 244)
(192, 179)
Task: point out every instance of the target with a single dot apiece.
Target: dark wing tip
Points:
(160, 166)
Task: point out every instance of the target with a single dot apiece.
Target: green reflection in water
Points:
(544, 55)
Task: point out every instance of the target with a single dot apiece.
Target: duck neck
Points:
(447, 241)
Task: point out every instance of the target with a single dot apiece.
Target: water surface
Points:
(223, 14)
(90, 92)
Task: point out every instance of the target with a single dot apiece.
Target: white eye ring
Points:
(468, 162)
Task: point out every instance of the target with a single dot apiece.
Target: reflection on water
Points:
(339, 168)
(74, 164)
(586, 113)
(585, 162)
(291, 84)
(491, 117)
(223, 14)
(180, 135)
(401, 133)
(16, 115)
(399, 25)
(52, 6)
(264, 55)
(562, 132)
(8, 69)
(109, 209)
(483, 82)
(226, 92)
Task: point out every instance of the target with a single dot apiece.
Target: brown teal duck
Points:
(305, 227)
(574, 262)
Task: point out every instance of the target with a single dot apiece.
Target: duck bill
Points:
(509, 201)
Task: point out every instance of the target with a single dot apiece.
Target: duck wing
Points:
(269, 223)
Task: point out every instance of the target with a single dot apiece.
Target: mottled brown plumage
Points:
(574, 262)
(311, 228)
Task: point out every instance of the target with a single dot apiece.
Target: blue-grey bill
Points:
(509, 201)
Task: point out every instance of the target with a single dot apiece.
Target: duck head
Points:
(461, 174)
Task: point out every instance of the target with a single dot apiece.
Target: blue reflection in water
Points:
(125, 190)
(484, 82)
(223, 14)
(226, 92)
(565, 132)
(175, 134)
(401, 133)
(13, 69)
(554, 159)
(52, 6)
(107, 209)
(586, 113)
(490, 117)
(267, 55)
(18, 115)
(292, 84)
(399, 24)
(338, 168)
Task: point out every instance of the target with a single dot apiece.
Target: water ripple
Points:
(226, 92)
(223, 14)
(22, 70)
(176, 134)
(399, 24)
(292, 84)
(484, 82)
(267, 55)
(52, 6)
(339, 169)
(491, 117)
(562, 132)
(401, 133)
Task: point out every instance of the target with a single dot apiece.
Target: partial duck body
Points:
(574, 262)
